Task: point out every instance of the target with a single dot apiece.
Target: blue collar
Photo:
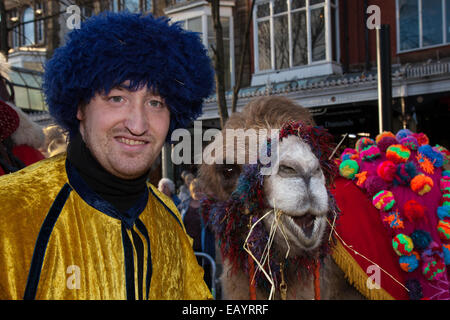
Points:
(94, 200)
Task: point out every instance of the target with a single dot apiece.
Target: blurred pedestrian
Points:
(184, 193)
(197, 228)
(167, 187)
(20, 139)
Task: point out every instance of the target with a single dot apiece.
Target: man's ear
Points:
(80, 113)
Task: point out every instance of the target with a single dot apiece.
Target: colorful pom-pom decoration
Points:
(394, 220)
(443, 212)
(443, 228)
(403, 133)
(398, 153)
(375, 184)
(383, 200)
(444, 151)
(435, 157)
(363, 143)
(425, 164)
(433, 270)
(402, 244)
(369, 153)
(446, 251)
(421, 239)
(421, 184)
(414, 289)
(445, 184)
(413, 210)
(422, 138)
(349, 154)
(410, 142)
(361, 178)
(387, 170)
(409, 263)
(405, 172)
(384, 134)
(386, 142)
(348, 169)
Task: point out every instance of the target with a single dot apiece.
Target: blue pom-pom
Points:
(446, 249)
(409, 263)
(435, 157)
(403, 133)
(446, 173)
(443, 212)
(421, 239)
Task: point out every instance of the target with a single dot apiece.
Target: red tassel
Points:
(317, 280)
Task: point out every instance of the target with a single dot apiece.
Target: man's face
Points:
(125, 130)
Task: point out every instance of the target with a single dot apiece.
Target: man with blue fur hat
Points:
(86, 225)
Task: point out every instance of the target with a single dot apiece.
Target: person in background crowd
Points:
(196, 227)
(20, 139)
(167, 187)
(184, 193)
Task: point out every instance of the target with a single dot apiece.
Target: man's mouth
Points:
(131, 142)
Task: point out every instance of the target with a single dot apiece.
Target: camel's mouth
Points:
(306, 223)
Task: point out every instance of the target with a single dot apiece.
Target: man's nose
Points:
(136, 121)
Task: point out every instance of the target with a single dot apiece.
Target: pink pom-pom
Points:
(386, 142)
(375, 184)
(370, 153)
(383, 200)
(386, 170)
(422, 138)
(410, 142)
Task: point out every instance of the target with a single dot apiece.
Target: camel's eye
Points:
(230, 171)
(286, 170)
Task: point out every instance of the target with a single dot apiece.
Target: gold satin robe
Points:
(58, 241)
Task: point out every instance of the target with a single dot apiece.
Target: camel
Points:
(303, 231)
(298, 193)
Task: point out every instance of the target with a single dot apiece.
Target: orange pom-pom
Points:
(421, 184)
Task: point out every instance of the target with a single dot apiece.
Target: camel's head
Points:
(293, 193)
(297, 188)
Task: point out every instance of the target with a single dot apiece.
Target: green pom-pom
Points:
(348, 168)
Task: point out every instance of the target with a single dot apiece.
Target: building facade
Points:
(321, 53)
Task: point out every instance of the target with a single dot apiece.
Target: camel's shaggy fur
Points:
(297, 187)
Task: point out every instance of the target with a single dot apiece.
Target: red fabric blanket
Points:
(360, 227)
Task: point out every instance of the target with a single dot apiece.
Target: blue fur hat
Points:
(111, 48)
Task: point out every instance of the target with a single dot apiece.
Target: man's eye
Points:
(156, 103)
(116, 99)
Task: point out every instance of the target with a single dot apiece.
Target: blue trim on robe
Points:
(42, 241)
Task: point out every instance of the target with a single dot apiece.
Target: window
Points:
(422, 23)
(134, 6)
(39, 23)
(15, 29)
(28, 27)
(197, 23)
(291, 33)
